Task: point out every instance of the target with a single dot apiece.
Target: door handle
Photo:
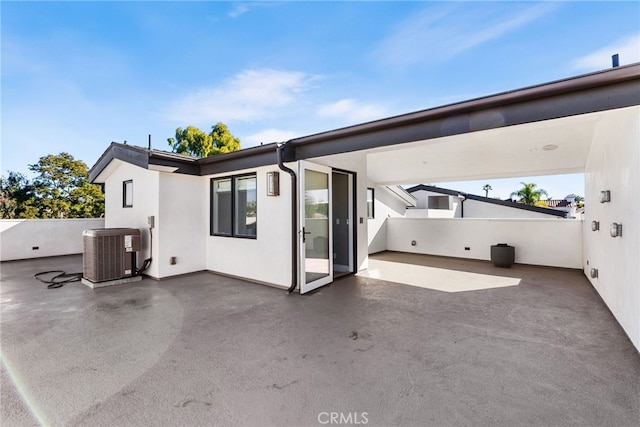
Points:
(304, 234)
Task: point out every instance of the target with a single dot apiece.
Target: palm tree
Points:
(528, 193)
(486, 189)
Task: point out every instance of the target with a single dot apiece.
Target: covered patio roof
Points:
(539, 130)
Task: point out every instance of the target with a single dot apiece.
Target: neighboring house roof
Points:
(600, 91)
(507, 203)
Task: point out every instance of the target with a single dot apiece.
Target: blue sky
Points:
(78, 75)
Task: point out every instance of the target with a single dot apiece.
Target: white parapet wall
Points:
(549, 242)
(37, 238)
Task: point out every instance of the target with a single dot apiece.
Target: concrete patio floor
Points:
(204, 349)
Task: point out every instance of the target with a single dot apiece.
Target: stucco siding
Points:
(146, 187)
(267, 258)
(182, 224)
(613, 164)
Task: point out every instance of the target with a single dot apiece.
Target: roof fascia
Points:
(605, 90)
(249, 158)
(142, 157)
(123, 152)
(183, 166)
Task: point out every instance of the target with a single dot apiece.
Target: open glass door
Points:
(316, 241)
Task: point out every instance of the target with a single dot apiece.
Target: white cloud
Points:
(247, 96)
(439, 33)
(351, 111)
(239, 9)
(267, 136)
(627, 48)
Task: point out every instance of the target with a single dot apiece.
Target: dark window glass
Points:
(127, 194)
(370, 200)
(245, 213)
(221, 215)
(438, 202)
(234, 207)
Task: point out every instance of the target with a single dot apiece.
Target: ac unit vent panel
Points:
(109, 253)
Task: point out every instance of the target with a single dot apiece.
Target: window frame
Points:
(373, 202)
(232, 208)
(127, 188)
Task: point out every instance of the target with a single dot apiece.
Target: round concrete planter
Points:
(503, 255)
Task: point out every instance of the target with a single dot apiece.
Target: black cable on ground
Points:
(59, 279)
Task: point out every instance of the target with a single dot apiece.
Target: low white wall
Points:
(51, 237)
(614, 164)
(550, 242)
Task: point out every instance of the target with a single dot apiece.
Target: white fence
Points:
(550, 242)
(37, 238)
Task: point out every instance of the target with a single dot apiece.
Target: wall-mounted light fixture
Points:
(595, 225)
(273, 183)
(605, 196)
(615, 229)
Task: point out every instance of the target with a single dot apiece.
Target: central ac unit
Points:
(110, 254)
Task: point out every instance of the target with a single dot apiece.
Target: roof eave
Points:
(142, 157)
(558, 87)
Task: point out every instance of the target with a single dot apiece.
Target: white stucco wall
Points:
(51, 237)
(266, 259)
(547, 242)
(182, 224)
(613, 164)
(386, 205)
(146, 187)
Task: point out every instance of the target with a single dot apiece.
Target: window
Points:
(221, 207)
(370, 200)
(438, 202)
(234, 206)
(127, 194)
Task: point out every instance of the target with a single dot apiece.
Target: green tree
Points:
(486, 189)
(223, 140)
(528, 194)
(63, 190)
(17, 197)
(194, 142)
